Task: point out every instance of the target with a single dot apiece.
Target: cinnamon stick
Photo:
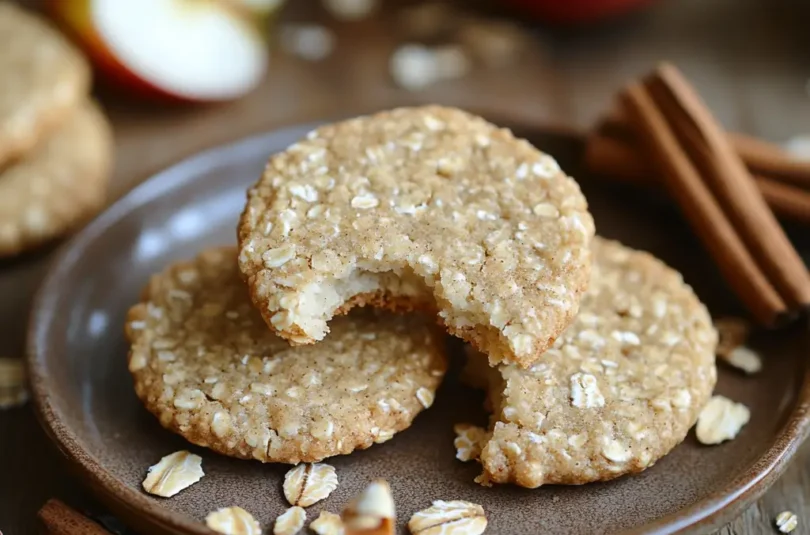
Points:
(702, 210)
(59, 519)
(621, 159)
(769, 159)
(732, 184)
(761, 157)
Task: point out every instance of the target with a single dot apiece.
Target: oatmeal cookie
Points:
(617, 391)
(59, 184)
(207, 366)
(425, 207)
(44, 78)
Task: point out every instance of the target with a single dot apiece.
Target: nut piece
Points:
(290, 521)
(721, 419)
(786, 521)
(744, 359)
(307, 484)
(327, 524)
(233, 521)
(468, 441)
(371, 512)
(13, 391)
(173, 473)
(455, 517)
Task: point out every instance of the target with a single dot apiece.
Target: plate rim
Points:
(706, 513)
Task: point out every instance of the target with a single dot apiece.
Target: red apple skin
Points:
(75, 18)
(576, 11)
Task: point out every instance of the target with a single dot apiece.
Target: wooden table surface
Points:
(749, 59)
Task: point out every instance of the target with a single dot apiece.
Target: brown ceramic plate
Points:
(85, 399)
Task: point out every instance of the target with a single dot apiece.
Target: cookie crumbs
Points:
(468, 441)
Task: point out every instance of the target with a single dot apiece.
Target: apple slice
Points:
(188, 50)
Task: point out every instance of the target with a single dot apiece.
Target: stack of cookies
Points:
(55, 144)
(596, 358)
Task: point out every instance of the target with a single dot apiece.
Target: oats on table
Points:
(786, 521)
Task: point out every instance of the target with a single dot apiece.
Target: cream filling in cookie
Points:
(430, 206)
(618, 390)
(205, 363)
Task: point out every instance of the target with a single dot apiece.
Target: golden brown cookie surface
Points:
(208, 367)
(432, 205)
(617, 391)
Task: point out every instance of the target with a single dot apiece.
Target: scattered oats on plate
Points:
(720, 420)
(327, 524)
(233, 521)
(290, 521)
(173, 473)
(455, 517)
(307, 483)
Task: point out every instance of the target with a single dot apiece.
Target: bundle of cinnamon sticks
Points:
(727, 185)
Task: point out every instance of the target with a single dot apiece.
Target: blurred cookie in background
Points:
(42, 80)
(58, 185)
